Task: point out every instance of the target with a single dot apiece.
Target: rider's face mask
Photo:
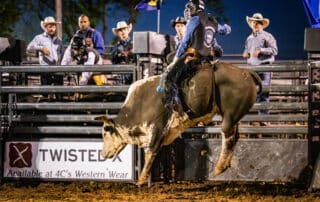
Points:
(77, 46)
(189, 10)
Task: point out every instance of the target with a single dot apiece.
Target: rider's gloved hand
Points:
(224, 29)
(163, 78)
(160, 89)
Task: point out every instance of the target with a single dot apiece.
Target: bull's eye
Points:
(108, 129)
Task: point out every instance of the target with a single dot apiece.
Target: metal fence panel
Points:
(253, 160)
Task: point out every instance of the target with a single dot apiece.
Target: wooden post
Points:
(58, 5)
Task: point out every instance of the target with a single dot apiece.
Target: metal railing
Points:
(101, 107)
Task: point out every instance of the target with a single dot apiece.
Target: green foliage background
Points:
(21, 18)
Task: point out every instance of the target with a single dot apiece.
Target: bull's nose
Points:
(106, 154)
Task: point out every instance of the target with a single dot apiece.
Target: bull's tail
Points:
(256, 79)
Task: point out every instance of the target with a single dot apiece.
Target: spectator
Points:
(260, 49)
(179, 24)
(122, 51)
(49, 47)
(86, 31)
(81, 51)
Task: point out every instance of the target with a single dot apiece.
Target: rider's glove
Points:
(163, 78)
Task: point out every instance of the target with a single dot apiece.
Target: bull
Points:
(143, 120)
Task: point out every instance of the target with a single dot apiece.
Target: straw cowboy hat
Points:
(121, 25)
(258, 17)
(48, 20)
(178, 20)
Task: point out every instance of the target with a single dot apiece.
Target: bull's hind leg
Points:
(230, 136)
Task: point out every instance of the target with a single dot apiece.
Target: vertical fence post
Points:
(314, 111)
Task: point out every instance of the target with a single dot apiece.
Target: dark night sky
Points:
(287, 23)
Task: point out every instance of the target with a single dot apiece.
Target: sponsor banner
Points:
(66, 159)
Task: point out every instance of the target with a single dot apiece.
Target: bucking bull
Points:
(143, 120)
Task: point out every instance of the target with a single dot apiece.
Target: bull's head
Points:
(113, 143)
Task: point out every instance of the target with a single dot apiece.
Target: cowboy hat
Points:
(179, 19)
(121, 25)
(48, 20)
(259, 18)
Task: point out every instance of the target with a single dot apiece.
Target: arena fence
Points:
(273, 147)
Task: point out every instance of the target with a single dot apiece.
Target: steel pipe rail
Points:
(117, 105)
(129, 68)
(286, 88)
(54, 118)
(66, 118)
(68, 68)
(281, 106)
(63, 89)
(94, 130)
(315, 86)
(68, 105)
(254, 129)
(102, 89)
(274, 117)
(276, 67)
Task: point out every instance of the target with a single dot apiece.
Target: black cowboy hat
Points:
(179, 19)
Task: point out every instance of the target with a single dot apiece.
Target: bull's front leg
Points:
(151, 153)
(149, 157)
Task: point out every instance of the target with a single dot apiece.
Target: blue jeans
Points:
(264, 96)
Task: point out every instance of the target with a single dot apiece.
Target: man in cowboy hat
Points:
(48, 43)
(260, 48)
(49, 47)
(179, 24)
(122, 50)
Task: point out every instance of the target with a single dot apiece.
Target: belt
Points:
(195, 55)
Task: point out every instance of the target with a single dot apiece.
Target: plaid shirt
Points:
(264, 42)
(53, 44)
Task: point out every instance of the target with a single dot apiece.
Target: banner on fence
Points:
(66, 159)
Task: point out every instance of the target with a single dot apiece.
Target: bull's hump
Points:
(137, 85)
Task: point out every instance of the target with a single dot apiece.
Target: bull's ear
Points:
(103, 119)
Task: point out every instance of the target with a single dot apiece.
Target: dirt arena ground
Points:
(178, 191)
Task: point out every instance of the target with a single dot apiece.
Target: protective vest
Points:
(204, 34)
(117, 56)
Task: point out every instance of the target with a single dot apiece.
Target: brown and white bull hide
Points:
(144, 121)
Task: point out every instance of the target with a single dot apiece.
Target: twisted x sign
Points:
(20, 155)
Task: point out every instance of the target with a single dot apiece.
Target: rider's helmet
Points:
(78, 49)
(77, 42)
(192, 7)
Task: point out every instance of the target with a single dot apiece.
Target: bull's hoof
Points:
(141, 181)
(220, 169)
